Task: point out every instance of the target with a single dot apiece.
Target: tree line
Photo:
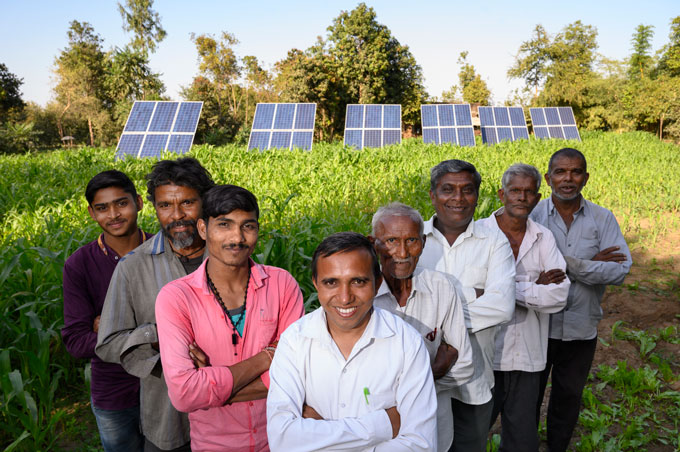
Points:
(358, 61)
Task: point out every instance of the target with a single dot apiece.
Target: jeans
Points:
(119, 430)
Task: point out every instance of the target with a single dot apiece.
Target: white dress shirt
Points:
(480, 258)
(388, 366)
(434, 308)
(522, 344)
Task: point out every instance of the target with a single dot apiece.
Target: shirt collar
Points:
(417, 286)
(317, 327)
(471, 231)
(581, 208)
(257, 276)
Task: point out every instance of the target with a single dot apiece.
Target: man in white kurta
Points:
(349, 376)
(541, 289)
(427, 300)
(481, 260)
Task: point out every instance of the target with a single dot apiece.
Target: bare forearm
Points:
(252, 391)
(247, 371)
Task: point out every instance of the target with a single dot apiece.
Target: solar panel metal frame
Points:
(515, 128)
(131, 132)
(459, 134)
(393, 134)
(561, 124)
(276, 133)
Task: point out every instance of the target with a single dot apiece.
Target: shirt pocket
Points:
(474, 277)
(588, 245)
(381, 400)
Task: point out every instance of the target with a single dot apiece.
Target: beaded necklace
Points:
(213, 289)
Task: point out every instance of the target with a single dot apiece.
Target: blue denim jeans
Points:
(119, 429)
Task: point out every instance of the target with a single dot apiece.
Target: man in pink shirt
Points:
(218, 328)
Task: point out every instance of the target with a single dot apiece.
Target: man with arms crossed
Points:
(541, 288)
(127, 331)
(596, 253)
(231, 311)
(349, 376)
(481, 259)
(427, 300)
(113, 203)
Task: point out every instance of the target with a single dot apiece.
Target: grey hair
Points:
(397, 209)
(454, 166)
(521, 169)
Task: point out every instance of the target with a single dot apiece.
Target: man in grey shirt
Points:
(127, 329)
(597, 255)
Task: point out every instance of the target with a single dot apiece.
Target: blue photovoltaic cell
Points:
(353, 138)
(180, 143)
(391, 137)
(556, 132)
(392, 114)
(466, 136)
(541, 132)
(355, 117)
(537, 117)
(571, 133)
(372, 138)
(520, 133)
(163, 117)
(504, 133)
(446, 116)
(501, 115)
(448, 135)
(489, 135)
(138, 121)
(560, 123)
(304, 118)
(154, 145)
(567, 116)
(264, 116)
(187, 117)
(259, 140)
(463, 115)
(430, 136)
(429, 116)
(302, 140)
(486, 116)
(517, 117)
(506, 123)
(280, 140)
(552, 116)
(284, 118)
(129, 144)
(373, 119)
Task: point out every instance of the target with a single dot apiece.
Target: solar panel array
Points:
(283, 125)
(554, 122)
(372, 125)
(154, 127)
(447, 123)
(502, 124)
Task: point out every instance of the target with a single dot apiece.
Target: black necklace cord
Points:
(216, 293)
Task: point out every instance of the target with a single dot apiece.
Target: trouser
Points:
(119, 430)
(470, 426)
(151, 447)
(515, 396)
(570, 363)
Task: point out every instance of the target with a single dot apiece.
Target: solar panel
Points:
(372, 125)
(554, 122)
(283, 125)
(154, 127)
(502, 124)
(447, 123)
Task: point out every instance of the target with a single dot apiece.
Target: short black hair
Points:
(185, 171)
(569, 153)
(344, 242)
(223, 199)
(454, 166)
(110, 178)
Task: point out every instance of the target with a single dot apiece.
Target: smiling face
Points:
(178, 208)
(115, 210)
(520, 196)
(230, 238)
(398, 245)
(346, 287)
(454, 199)
(567, 177)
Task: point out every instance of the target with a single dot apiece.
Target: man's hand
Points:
(310, 413)
(95, 325)
(395, 420)
(198, 357)
(446, 356)
(479, 292)
(554, 276)
(608, 255)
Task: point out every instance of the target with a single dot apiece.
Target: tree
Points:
(640, 60)
(10, 94)
(144, 23)
(532, 60)
(473, 88)
(669, 63)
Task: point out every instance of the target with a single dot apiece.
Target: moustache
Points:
(180, 223)
(234, 246)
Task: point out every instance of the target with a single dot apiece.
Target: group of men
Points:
(427, 330)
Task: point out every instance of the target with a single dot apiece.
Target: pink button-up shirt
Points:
(186, 311)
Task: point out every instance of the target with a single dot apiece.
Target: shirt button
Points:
(147, 334)
(254, 430)
(569, 244)
(116, 258)
(342, 405)
(250, 403)
(344, 371)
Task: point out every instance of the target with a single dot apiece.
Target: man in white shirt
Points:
(541, 289)
(427, 300)
(349, 376)
(481, 260)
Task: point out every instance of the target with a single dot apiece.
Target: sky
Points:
(33, 32)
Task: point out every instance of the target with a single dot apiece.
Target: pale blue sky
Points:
(33, 32)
